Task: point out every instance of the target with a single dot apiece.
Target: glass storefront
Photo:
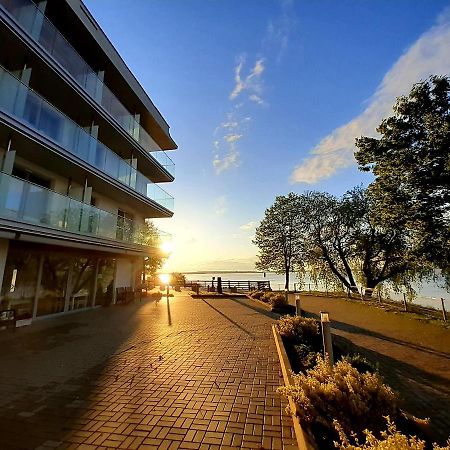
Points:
(82, 283)
(69, 280)
(105, 281)
(52, 292)
(19, 282)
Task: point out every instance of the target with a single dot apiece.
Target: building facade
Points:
(82, 163)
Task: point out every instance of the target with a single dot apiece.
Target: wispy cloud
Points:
(430, 54)
(232, 137)
(251, 83)
(250, 226)
(220, 205)
(279, 29)
(226, 154)
(228, 161)
(248, 88)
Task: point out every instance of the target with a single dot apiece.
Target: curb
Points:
(304, 439)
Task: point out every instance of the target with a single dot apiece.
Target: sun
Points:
(164, 277)
(167, 247)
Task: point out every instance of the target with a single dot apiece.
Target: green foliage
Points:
(306, 357)
(266, 296)
(300, 330)
(360, 363)
(346, 245)
(357, 401)
(278, 301)
(278, 237)
(411, 165)
(177, 278)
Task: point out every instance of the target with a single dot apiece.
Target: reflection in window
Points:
(19, 282)
(53, 284)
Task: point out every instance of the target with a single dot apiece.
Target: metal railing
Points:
(27, 106)
(27, 202)
(241, 285)
(41, 30)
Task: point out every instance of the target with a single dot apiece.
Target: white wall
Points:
(124, 274)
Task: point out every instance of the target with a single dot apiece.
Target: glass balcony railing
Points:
(26, 202)
(36, 24)
(27, 106)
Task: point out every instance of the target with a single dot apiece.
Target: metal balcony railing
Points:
(27, 106)
(27, 202)
(42, 31)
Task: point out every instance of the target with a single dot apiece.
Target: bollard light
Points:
(298, 309)
(326, 337)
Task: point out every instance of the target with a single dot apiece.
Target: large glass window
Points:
(82, 283)
(52, 293)
(19, 282)
(105, 281)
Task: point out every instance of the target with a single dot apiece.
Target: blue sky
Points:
(266, 97)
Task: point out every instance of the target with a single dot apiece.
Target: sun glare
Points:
(164, 277)
(167, 247)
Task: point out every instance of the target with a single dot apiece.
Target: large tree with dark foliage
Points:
(411, 164)
(278, 236)
(344, 245)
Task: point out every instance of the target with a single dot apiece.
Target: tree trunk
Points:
(286, 284)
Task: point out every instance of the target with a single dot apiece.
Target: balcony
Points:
(30, 203)
(19, 101)
(42, 31)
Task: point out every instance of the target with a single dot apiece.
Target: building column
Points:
(94, 287)
(38, 285)
(9, 159)
(136, 127)
(4, 245)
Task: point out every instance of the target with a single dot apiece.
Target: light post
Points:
(326, 336)
(298, 309)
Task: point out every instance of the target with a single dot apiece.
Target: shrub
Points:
(257, 294)
(300, 330)
(278, 301)
(267, 296)
(358, 401)
(391, 439)
(360, 363)
(306, 357)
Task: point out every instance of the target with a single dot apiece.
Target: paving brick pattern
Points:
(188, 374)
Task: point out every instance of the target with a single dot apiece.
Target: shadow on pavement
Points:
(50, 373)
(358, 330)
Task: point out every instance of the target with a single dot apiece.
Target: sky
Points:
(266, 97)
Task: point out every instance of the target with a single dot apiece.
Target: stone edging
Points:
(304, 440)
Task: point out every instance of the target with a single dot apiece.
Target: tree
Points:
(149, 235)
(278, 236)
(345, 245)
(411, 164)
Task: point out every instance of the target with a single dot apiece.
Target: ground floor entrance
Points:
(40, 281)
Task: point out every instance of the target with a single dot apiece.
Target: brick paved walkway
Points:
(413, 355)
(184, 374)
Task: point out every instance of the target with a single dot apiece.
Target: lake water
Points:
(429, 294)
